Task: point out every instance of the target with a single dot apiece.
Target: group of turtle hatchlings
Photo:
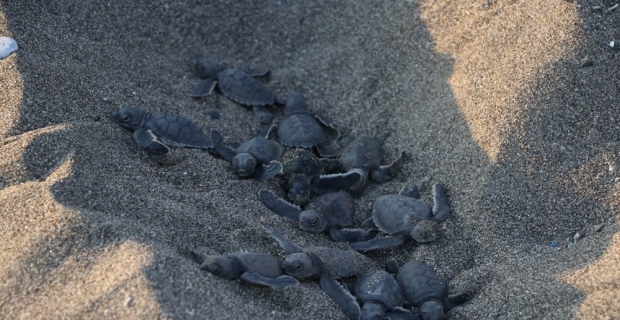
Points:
(392, 293)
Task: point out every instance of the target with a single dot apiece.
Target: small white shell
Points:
(7, 46)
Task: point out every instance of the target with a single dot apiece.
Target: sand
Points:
(489, 97)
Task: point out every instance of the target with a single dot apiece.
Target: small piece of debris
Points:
(97, 118)
(577, 236)
(7, 46)
(612, 8)
(553, 244)
(596, 8)
(214, 114)
(597, 227)
(586, 62)
(613, 46)
(128, 301)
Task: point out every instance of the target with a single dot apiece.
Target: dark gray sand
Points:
(488, 97)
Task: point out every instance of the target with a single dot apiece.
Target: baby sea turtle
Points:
(404, 216)
(325, 263)
(378, 292)
(302, 176)
(156, 132)
(256, 157)
(237, 85)
(300, 129)
(255, 268)
(426, 291)
(364, 155)
(332, 210)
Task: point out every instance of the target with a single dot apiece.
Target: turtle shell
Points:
(177, 131)
(337, 207)
(363, 152)
(420, 282)
(380, 286)
(300, 130)
(392, 213)
(263, 264)
(262, 149)
(301, 161)
(341, 263)
(243, 88)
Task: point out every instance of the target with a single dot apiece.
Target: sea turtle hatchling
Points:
(403, 216)
(332, 210)
(325, 263)
(256, 157)
(300, 129)
(381, 297)
(156, 132)
(364, 155)
(302, 176)
(237, 85)
(426, 291)
(254, 268)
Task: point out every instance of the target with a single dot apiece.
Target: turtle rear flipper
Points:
(225, 152)
(149, 142)
(286, 246)
(279, 282)
(266, 172)
(352, 235)
(204, 88)
(279, 206)
(454, 300)
(381, 243)
(410, 191)
(368, 224)
(335, 182)
(328, 150)
(388, 172)
(441, 207)
(342, 297)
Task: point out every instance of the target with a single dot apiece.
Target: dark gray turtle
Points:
(403, 216)
(237, 85)
(378, 292)
(156, 132)
(300, 129)
(255, 268)
(325, 263)
(426, 291)
(302, 176)
(332, 210)
(256, 157)
(364, 155)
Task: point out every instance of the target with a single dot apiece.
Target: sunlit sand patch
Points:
(12, 91)
(494, 59)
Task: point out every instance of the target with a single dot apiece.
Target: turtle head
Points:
(300, 265)
(424, 231)
(207, 69)
(312, 221)
(295, 103)
(130, 118)
(372, 311)
(431, 310)
(244, 164)
(222, 266)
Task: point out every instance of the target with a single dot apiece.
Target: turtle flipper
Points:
(286, 246)
(335, 182)
(256, 72)
(330, 128)
(441, 207)
(410, 191)
(149, 142)
(386, 173)
(279, 206)
(368, 224)
(327, 150)
(204, 88)
(226, 152)
(262, 115)
(399, 313)
(380, 243)
(352, 235)
(342, 297)
(279, 282)
(454, 300)
(270, 130)
(265, 172)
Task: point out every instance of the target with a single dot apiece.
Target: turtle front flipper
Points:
(368, 224)
(279, 282)
(335, 182)
(225, 152)
(262, 115)
(454, 300)
(352, 235)
(441, 207)
(342, 297)
(256, 72)
(386, 173)
(279, 206)
(286, 246)
(266, 172)
(380, 243)
(204, 88)
(149, 142)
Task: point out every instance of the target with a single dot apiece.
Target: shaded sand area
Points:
(488, 97)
